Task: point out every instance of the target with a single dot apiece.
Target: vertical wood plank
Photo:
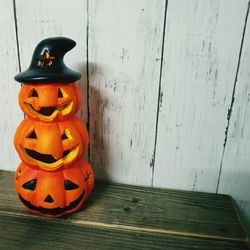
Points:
(125, 39)
(202, 42)
(235, 174)
(10, 115)
(38, 20)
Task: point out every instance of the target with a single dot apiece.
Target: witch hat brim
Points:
(65, 75)
(47, 64)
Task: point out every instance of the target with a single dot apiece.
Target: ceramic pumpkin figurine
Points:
(51, 145)
(53, 179)
(55, 193)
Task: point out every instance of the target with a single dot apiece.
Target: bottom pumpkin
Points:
(54, 193)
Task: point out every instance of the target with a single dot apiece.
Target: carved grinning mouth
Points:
(48, 161)
(53, 211)
(49, 111)
(44, 157)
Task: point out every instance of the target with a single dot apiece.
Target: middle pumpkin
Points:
(51, 145)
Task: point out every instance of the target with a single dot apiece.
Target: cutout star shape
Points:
(46, 59)
(18, 175)
(87, 177)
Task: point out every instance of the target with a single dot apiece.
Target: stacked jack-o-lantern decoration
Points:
(53, 179)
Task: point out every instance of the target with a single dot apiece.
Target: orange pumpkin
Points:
(51, 145)
(49, 102)
(56, 193)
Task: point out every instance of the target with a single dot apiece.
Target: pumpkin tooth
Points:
(57, 155)
(60, 108)
(37, 107)
(34, 106)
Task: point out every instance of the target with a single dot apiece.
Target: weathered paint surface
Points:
(10, 114)
(235, 174)
(137, 97)
(198, 75)
(124, 62)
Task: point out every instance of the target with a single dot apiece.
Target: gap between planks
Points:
(230, 110)
(159, 92)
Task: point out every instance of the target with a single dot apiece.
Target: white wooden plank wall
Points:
(124, 62)
(199, 67)
(10, 114)
(235, 175)
(157, 90)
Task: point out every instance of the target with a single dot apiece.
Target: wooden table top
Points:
(119, 216)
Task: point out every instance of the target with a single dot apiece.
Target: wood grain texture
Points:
(125, 217)
(235, 175)
(10, 115)
(159, 213)
(40, 233)
(38, 20)
(199, 67)
(125, 39)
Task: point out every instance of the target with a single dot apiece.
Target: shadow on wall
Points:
(237, 185)
(99, 132)
(98, 154)
(242, 199)
(244, 212)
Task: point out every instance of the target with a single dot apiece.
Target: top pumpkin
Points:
(55, 102)
(49, 92)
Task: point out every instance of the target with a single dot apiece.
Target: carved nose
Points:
(49, 199)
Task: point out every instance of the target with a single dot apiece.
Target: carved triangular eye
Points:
(69, 185)
(30, 185)
(32, 135)
(33, 93)
(64, 136)
(59, 93)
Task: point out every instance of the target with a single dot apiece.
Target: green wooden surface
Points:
(124, 217)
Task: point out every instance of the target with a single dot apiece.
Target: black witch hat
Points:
(47, 64)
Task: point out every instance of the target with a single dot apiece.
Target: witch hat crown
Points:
(47, 65)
